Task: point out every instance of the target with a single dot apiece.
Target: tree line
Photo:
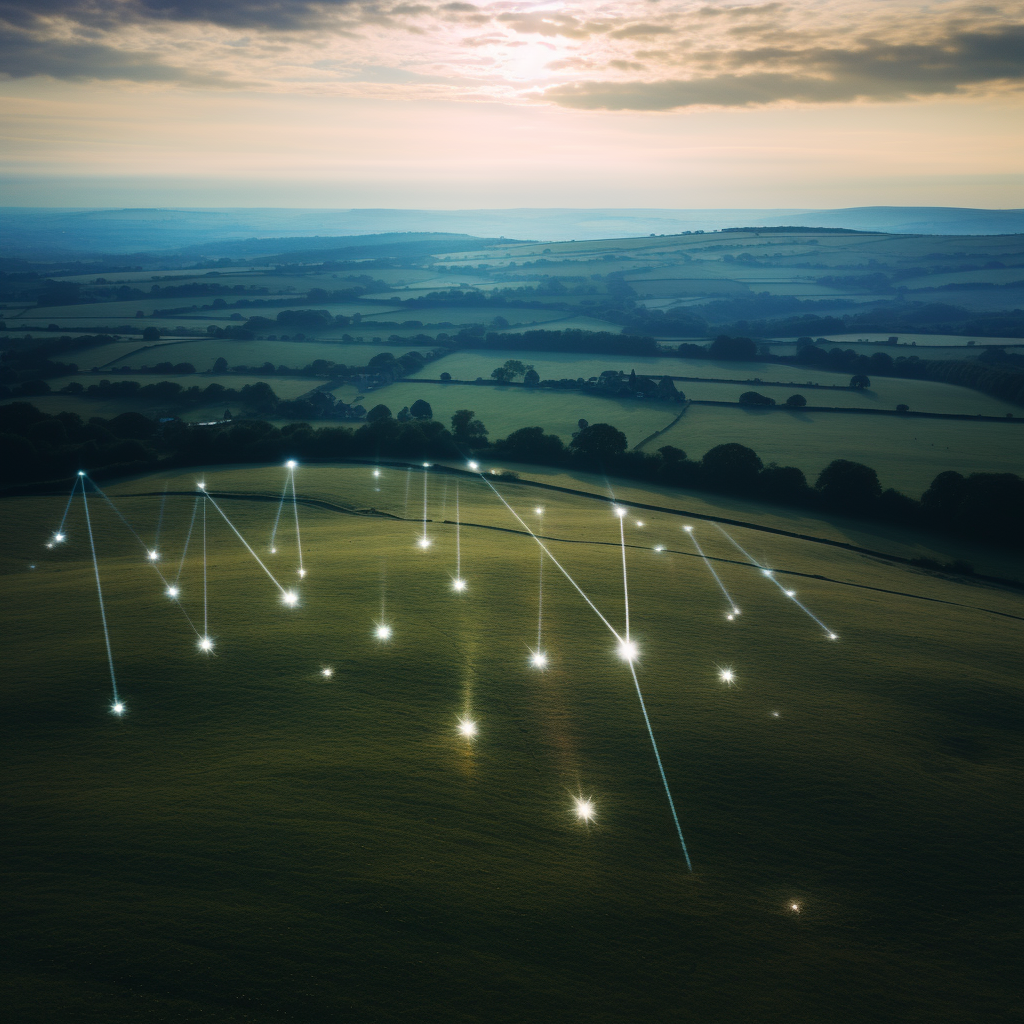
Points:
(35, 446)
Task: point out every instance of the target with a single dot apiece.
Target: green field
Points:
(253, 842)
(202, 354)
(906, 453)
(884, 393)
(921, 340)
(506, 409)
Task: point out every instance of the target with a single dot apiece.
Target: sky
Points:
(633, 103)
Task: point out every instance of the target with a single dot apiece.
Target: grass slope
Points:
(256, 843)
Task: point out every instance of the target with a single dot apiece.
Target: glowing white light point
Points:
(790, 593)
(302, 573)
(205, 644)
(273, 551)
(620, 512)
(467, 728)
(766, 572)
(291, 464)
(735, 611)
(424, 542)
(172, 591)
(154, 556)
(726, 675)
(627, 651)
(58, 538)
(539, 511)
(730, 617)
(775, 714)
(688, 529)
(327, 672)
(49, 545)
(538, 659)
(659, 547)
(584, 809)
(81, 473)
(832, 636)
(376, 472)
(201, 485)
(795, 907)
(474, 465)
(118, 708)
(458, 585)
(383, 633)
(638, 523)
(426, 465)
(290, 598)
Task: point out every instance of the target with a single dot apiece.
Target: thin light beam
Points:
(277, 518)
(188, 537)
(295, 505)
(622, 642)
(71, 497)
(206, 613)
(149, 560)
(286, 594)
(625, 581)
(99, 594)
(789, 593)
(733, 610)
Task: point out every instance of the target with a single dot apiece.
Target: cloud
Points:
(868, 69)
(22, 56)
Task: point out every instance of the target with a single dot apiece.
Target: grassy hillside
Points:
(254, 842)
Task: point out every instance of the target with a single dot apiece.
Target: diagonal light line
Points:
(244, 541)
(298, 537)
(188, 537)
(765, 571)
(99, 593)
(711, 569)
(277, 518)
(632, 669)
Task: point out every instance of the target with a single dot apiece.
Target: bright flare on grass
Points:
(474, 465)
(627, 651)
(58, 538)
(291, 464)
(290, 598)
(726, 675)
(458, 585)
(790, 593)
(539, 659)
(383, 633)
(467, 728)
(376, 472)
(205, 643)
(832, 636)
(584, 809)
(172, 591)
(795, 907)
(327, 672)
(117, 709)
(154, 556)
(302, 573)
(620, 512)
(688, 529)
(424, 542)
(660, 547)
(638, 523)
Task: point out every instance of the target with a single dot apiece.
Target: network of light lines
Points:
(626, 649)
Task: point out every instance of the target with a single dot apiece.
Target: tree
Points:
(598, 443)
(531, 444)
(859, 380)
(467, 430)
(531, 378)
(421, 410)
(671, 454)
(753, 398)
(582, 424)
(724, 347)
(732, 466)
(259, 397)
(784, 483)
(221, 365)
(902, 408)
(446, 376)
(381, 361)
(796, 401)
(151, 334)
(848, 486)
(183, 368)
(404, 415)
(377, 413)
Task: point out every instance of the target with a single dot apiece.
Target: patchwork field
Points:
(254, 841)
